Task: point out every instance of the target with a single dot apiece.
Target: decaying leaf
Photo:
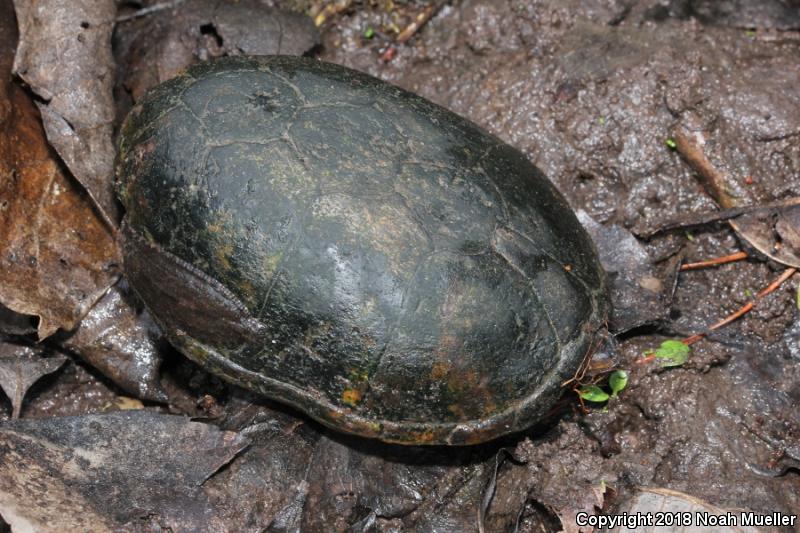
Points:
(156, 47)
(490, 488)
(776, 234)
(773, 232)
(21, 367)
(636, 291)
(127, 470)
(272, 471)
(57, 257)
(307, 478)
(649, 501)
(64, 54)
(122, 343)
(788, 228)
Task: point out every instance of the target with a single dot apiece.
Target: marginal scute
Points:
(385, 266)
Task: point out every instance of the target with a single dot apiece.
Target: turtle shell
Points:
(351, 249)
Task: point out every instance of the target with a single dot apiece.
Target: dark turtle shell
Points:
(353, 250)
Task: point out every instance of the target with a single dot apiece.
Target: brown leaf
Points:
(311, 479)
(64, 54)
(127, 470)
(157, 47)
(57, 257)
(121, 343)
(767, 231)
(788, 228)
(652, 501)
(636, 291)
(21, 367)
(775, 234)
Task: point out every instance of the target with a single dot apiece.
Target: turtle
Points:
(355, 251)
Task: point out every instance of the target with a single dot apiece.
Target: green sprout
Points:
(593, 393)
(601, 120)
(671, 352)
(671, 144)
(750, 33)
(617, 381)
(369, 33)
(689, 236)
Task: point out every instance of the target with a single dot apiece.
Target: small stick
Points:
(419, 21)
(700, 219)
(738, 256)
(330, 10)
(788, 273)
(690, 144)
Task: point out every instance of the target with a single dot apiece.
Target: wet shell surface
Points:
(355, 251)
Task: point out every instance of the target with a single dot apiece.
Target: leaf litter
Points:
(64, 55)
(21, 367)
(57, 257)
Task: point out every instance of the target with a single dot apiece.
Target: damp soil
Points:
(591, 91)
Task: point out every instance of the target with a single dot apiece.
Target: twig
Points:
(690, 145)
(147, 10)
(330, 10)
(419, 21)
(738, 256)
(746, 308)
(699, 219)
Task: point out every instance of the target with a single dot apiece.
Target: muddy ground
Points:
(592, 92)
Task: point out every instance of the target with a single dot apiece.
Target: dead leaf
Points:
(57, 257)
(760, 227)
(271, 471)
(21, 367)
(775, 234)
(649, 501)
(122, 343)
(788, 228)
(636, 291)
(308, 478)
(64, 54)
(490, 486)
(126, 470)
(157, 47)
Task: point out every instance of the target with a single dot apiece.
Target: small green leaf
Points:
(689, 236)
(593, 393)
(750, 33)
(618, 380)
(671, 144)
(369, 33)
(673, 353)
(748, 293)
(601, 120)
